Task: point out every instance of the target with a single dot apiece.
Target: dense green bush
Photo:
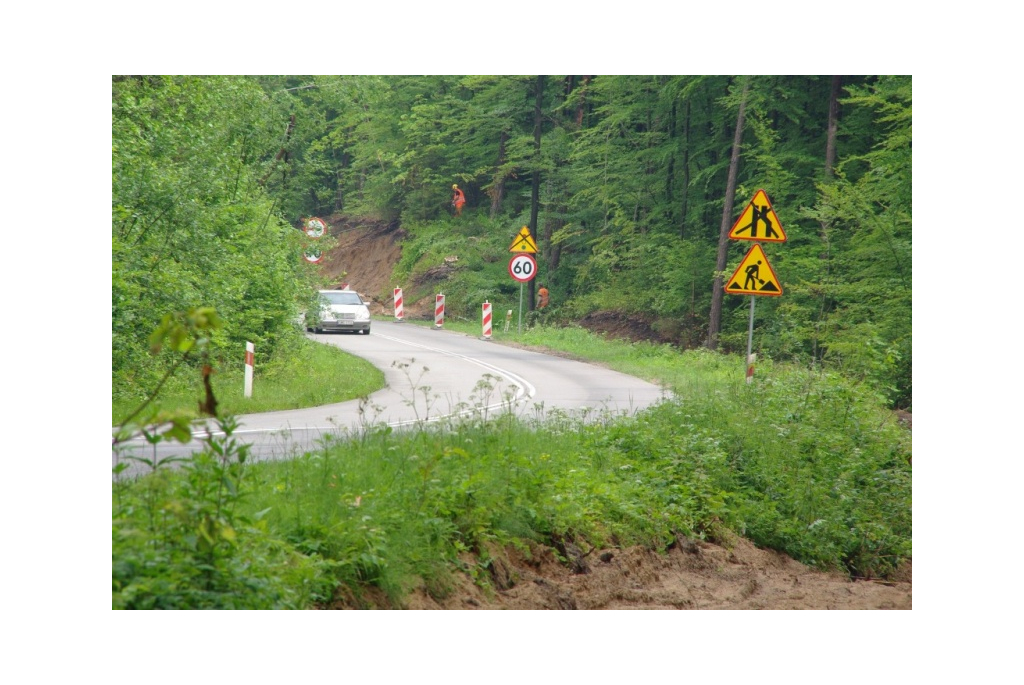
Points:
(182, 540)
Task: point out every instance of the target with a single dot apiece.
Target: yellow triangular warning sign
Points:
(758, 222)
(754, 276)
(524, 242)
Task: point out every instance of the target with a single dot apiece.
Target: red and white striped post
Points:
(249, 357)
(487, 320)
(439, 311)
(751, 358)
(399, 311)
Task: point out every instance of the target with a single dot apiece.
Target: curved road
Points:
(431, 375)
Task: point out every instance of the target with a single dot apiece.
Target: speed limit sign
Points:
(522, 267)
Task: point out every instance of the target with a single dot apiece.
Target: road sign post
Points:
(519, 323)
(755, 275)
(750, 343)
(314, 227)
(522, 267)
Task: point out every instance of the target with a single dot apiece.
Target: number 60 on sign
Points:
(522, 267)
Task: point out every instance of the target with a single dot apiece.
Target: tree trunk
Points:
(830, 160)
(581, 107)
(553, 254)
(283, 152)
(498, 189)
(538, 119)
(715, 324)
(833, 125)
(686, 170)
(339, 195)
(670, 173)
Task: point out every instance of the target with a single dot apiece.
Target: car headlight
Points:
(363, 313)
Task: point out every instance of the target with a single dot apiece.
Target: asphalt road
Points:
(433, 375)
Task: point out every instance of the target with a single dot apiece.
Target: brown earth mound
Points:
(364, 257)
(689, 575)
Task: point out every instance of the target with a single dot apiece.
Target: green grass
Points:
(681, 371)
(807, 463)
(313, 374)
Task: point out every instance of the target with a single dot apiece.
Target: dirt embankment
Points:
(364, 257)
(689, 575)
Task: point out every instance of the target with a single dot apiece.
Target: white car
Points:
(341, 310)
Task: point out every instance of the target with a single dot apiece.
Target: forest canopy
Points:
(627, 182)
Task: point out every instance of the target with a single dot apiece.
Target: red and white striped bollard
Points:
(439, 311)
(250, 349)
(399, 311)
(487, 320)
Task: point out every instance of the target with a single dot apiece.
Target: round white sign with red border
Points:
(522, 267)
(315, 227)
(314, 255)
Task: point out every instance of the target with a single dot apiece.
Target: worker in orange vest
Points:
(542, 296)
(458, 199)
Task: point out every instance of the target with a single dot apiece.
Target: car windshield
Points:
(342, 297)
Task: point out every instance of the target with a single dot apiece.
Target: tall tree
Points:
(538, 121)
(191, 224)
(715, 321)
(833, 125)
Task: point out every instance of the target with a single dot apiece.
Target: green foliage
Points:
(208, 178)
(304, 374)
(633, 170)
(853, 306)
(806, 463)
(480, 273)
(817, 471)
(183, 336)
(191, 223)
(182, 541)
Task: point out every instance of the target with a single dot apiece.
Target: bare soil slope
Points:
(689, 575)
(364, 257)
(733, 574)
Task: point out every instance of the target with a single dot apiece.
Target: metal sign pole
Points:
(520, 307)
(750, 341)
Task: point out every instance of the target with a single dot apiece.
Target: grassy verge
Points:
(313, 374)
(694, 371)
(807, 463)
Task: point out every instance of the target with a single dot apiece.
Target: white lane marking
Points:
(524, 387)
(524, 391)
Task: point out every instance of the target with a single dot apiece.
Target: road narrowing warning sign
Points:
(758, 222)
(754, 276)
(523, 242)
